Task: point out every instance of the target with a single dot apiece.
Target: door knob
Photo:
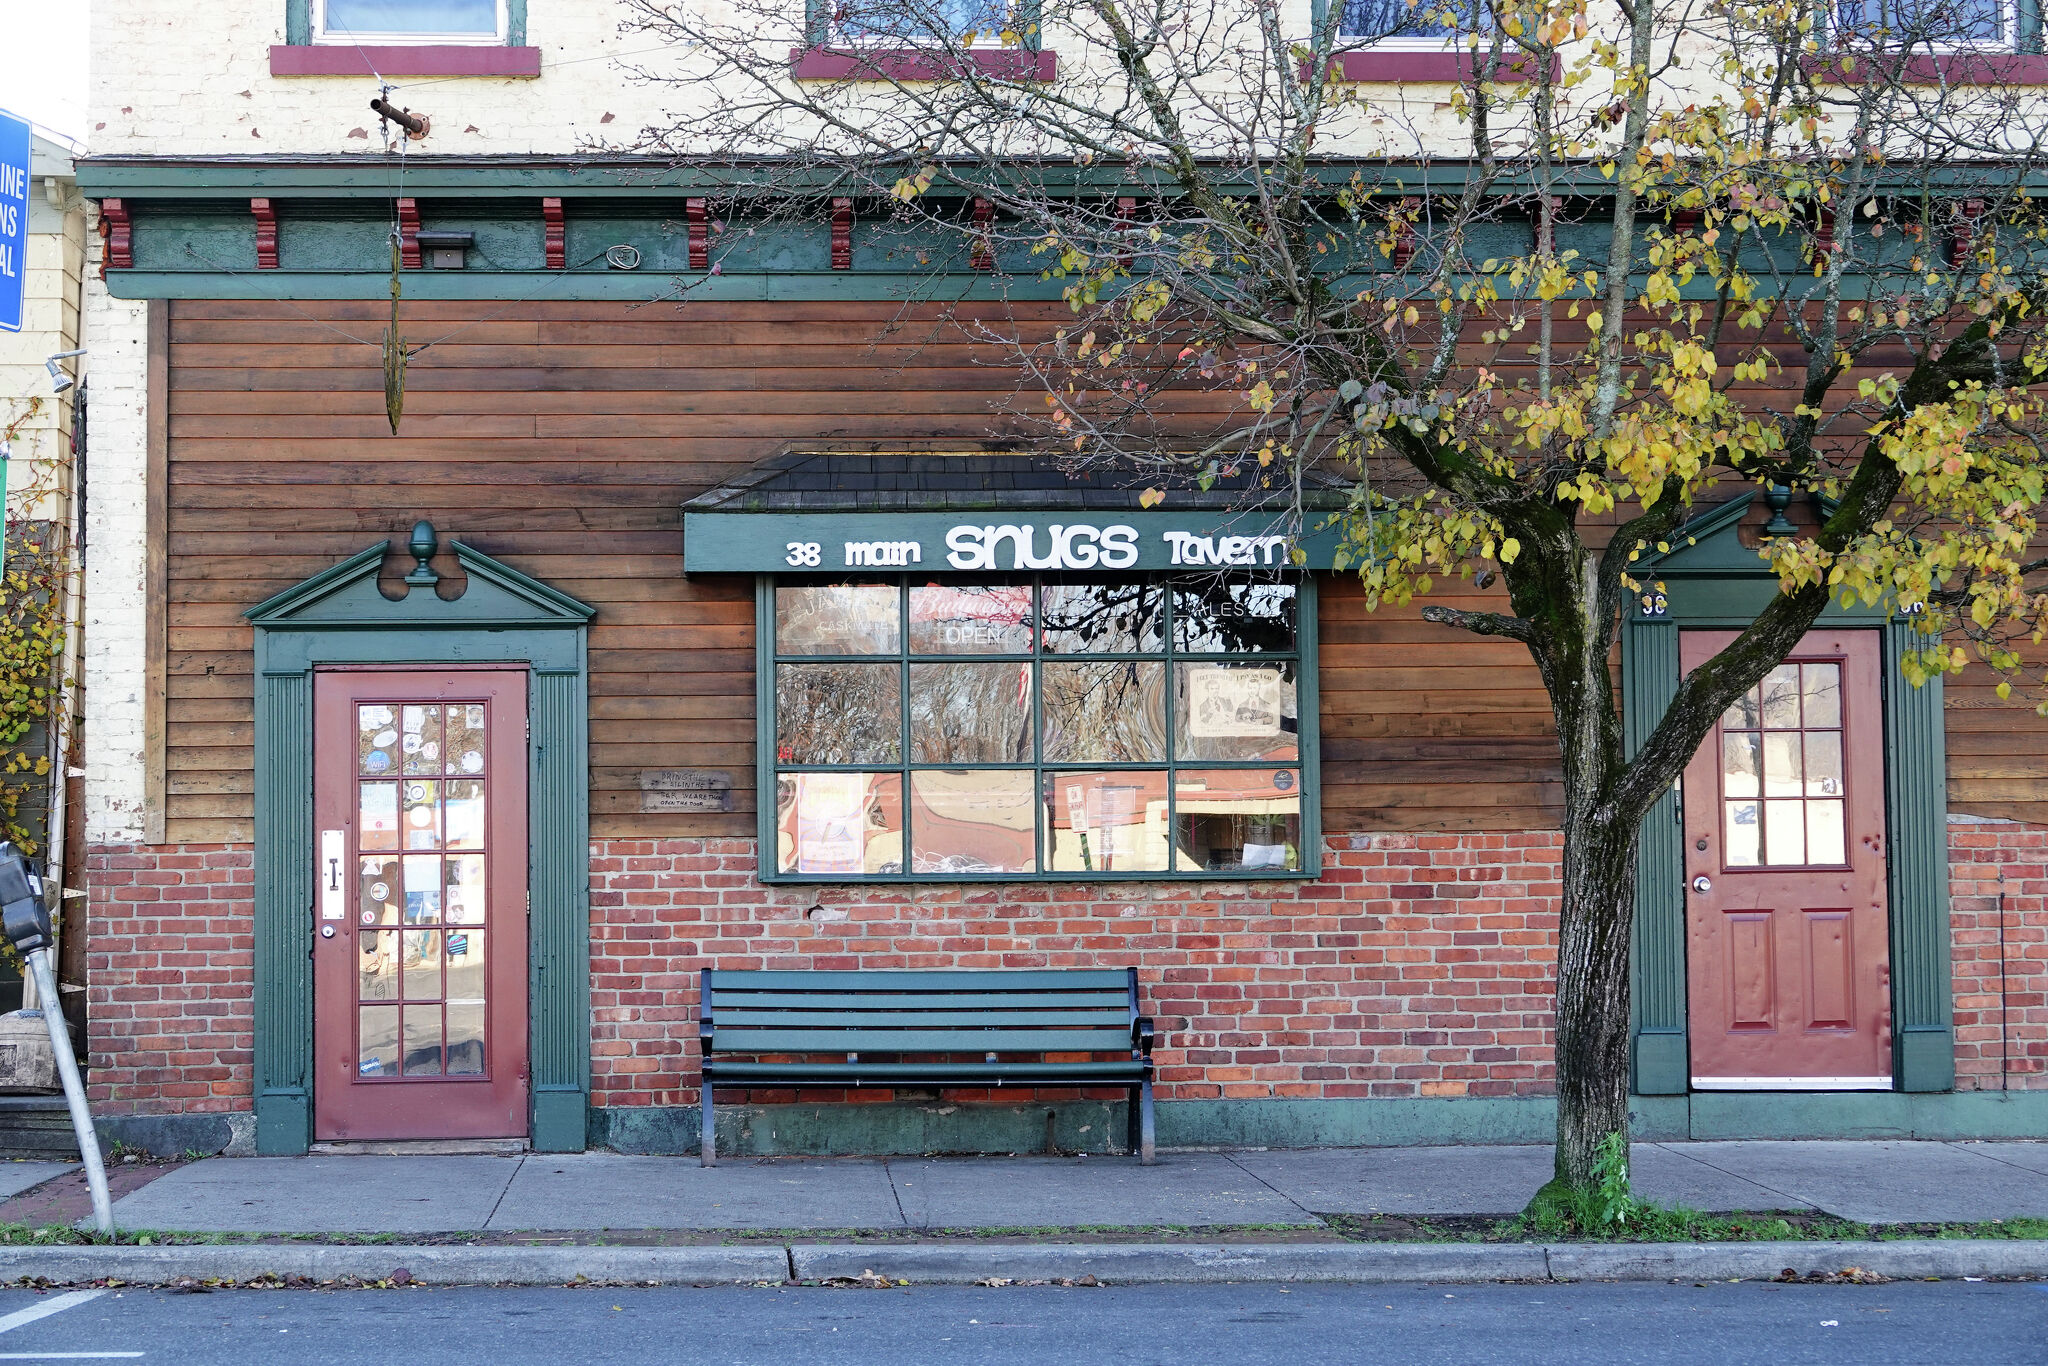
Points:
(1702, 884)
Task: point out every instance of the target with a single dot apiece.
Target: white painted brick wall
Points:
(117, 335)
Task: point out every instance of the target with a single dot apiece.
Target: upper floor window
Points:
(1432, 22)
(895, 21)
(409, 21)
(1903, 25)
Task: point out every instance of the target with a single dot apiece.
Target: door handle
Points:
(1702, 884)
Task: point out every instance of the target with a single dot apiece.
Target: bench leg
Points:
(1140, 1136)
(707, 1150)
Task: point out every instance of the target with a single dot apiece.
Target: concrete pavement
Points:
(1878, 1182)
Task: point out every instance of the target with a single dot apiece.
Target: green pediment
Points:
(347, 595)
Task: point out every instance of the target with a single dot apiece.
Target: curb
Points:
(974, 1263)
(425, 1265)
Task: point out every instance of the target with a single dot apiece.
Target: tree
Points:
(1637, 253)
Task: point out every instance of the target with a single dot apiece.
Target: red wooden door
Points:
(1788, 956)
(419, 954)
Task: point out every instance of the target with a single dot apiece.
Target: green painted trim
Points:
(1308, 702)
(515, 23)
(1097, 1126)
(573, 286)
(1657, 1000)
(339, 616)
(1916, 807)
(298, 22)
(768, 791)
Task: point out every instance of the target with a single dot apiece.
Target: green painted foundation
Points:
(1098, 1126)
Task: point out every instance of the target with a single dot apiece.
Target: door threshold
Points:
(1791, 1083)
(424, 1147)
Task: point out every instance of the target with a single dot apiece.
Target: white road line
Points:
(56, 1305)
(63, 1356)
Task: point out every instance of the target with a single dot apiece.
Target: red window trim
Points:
(423, 59)
(917, 64)
(1393, 65)
(1954, 68)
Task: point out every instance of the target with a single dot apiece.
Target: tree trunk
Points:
(1594, 924)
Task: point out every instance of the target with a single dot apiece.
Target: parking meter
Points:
(26, 922)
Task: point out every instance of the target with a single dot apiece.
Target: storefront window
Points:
(1038, 729)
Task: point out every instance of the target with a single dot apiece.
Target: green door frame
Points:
(340, 616)
(1712, 581)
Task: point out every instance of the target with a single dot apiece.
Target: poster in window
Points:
(831, 822)
(1233, 704)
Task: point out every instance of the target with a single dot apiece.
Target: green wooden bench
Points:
(873, 1028)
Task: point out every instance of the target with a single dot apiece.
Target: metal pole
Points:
(74, 1088)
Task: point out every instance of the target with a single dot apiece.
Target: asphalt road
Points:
(1950, 1323)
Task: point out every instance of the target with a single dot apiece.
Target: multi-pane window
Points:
(1899, 25)
(409, 21)
(915, 20)
(420, 887)
(1435, 20)
(1036, 728)
(1782, 777)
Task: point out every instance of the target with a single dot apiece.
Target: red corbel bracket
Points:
(556, 233)
(116, 237)
(1404, 239)
(266, 233)
(409, 233)
(700, 246)
(1962, 236)
(1126, 221)
(1687, 222)
(842, 234)
(1824, 237)
(983, 256)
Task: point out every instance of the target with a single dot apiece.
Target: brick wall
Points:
(1418, 965)
(169, 970)
(1998, 917)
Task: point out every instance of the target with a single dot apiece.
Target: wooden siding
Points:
(562, 438)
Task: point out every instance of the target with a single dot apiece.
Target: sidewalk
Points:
(1876, 1182)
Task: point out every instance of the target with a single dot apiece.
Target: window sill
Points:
(918, 64)
(1397, 66)
(1956, 68)
(425, 59)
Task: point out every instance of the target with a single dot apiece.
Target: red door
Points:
(419, 955)
(1787, 949)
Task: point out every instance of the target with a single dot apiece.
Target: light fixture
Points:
(59, 381)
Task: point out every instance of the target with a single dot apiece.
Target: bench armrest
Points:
(1141, 1035)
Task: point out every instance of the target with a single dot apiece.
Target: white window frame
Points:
(990, 40)
(1407, 42)
(348, 38)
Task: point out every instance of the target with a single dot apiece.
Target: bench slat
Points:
(744, 1017)
(862, 982)
(840, 1073)
(725, 998)
(767, 1040)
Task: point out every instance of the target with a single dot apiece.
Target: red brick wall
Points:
(169, 970)
(1418, 965)
(1998, 916)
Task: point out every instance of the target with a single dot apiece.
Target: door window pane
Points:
(1235, 711)
(1826, 836)
(970, 621)
(423, 1041)
(466, 738)
(1743, 834)
(422, 889)
(1100, 618)
(1221, 616)
(1237, 820)
(1106, 822)
(840, 823)
(1824, 763)
(973, 821)
(419, 737)
(377, 965)
(837, 619)
(1785, 832)
(465, 1038)
(970, 713)
(838, 713)
(1781, 697)
(1109, 711)
(1781, 764)
(421, 821)
(376, 740)
(377, 1041)
(1820, 687)
(465, 965)
(1745, 712)
(420, 963)
(377, 815)
(464, 903)
(1741, 761)
(464, 814)
(379, 891)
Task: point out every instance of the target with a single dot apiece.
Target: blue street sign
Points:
(14, 151)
